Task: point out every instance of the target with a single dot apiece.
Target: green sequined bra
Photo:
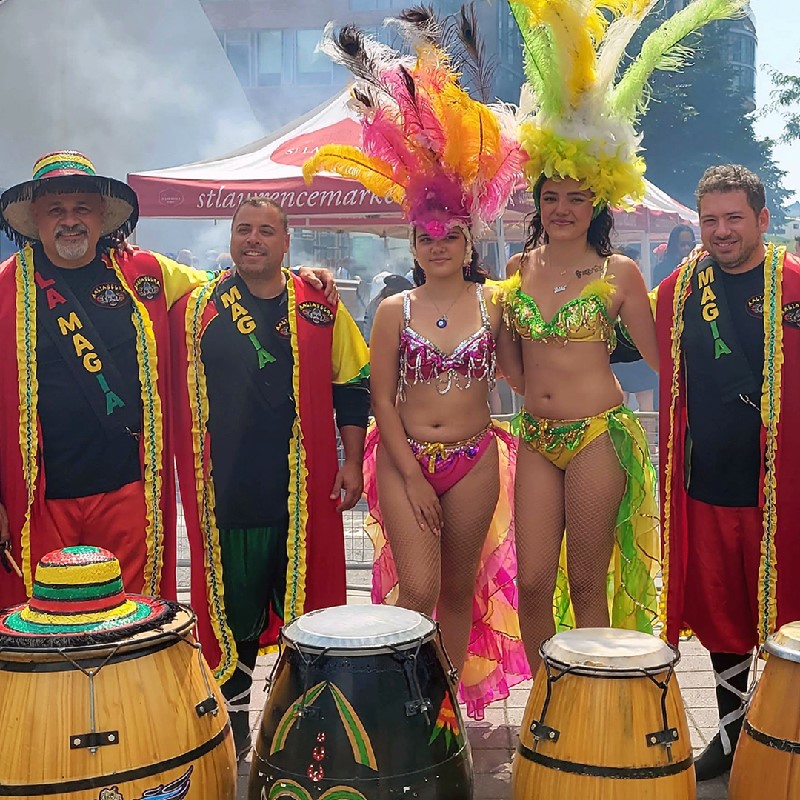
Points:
(585, 318)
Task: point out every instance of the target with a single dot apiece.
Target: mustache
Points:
(70, 230)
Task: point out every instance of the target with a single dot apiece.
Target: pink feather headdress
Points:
(446, 158)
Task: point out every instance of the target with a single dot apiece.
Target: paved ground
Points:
(493, 740)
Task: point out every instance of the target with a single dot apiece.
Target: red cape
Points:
(316, 571)
(784, 598)
(154, 297)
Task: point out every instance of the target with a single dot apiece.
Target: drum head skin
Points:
(785, 643)
(609, 649)
(358, 627)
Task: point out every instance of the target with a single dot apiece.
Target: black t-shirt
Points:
(724, 445)
(80, 457)
(250, 428)
(249, 436)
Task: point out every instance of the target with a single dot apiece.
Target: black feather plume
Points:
(471, 52)
(419, 24)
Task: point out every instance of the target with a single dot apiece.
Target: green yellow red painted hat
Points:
(64, 172)
(78, 595)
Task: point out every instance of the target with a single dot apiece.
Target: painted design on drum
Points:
(176, 790)
(291, 716)
(360, 742)
(447, 721)
(294, 791)
(354, 728)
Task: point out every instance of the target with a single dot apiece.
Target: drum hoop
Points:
(154, 636)
(610, 672)
(361, 650)
(781, 651)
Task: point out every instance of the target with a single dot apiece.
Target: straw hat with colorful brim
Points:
(67, 172)
(78, 599)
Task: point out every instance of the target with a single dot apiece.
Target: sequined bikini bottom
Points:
(444, 464)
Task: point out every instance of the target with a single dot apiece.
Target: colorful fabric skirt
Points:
(495, 657)
(636, 557)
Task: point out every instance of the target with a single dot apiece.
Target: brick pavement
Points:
(493, 740)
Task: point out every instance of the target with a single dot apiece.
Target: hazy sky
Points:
(778, 47)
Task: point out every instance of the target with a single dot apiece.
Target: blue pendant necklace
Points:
(442, 321)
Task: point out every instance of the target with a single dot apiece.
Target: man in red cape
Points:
(728, 322)
(85, 455)
(262, 363)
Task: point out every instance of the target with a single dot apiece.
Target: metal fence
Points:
(358, 547)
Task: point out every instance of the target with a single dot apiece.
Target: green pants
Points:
(254, 566)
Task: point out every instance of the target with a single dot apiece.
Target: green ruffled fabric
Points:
(632, 597)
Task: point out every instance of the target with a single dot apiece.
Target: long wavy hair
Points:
(598, 236)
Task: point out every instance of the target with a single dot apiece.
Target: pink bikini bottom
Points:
(444, 464)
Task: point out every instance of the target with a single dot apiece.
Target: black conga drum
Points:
(361, 707)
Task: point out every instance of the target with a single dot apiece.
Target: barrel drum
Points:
(767, 760)
(604, 720)
(361, 707)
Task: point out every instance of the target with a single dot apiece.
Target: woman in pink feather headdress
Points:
(438, 470)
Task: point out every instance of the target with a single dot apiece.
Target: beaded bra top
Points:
(421, 361)
(585, 318)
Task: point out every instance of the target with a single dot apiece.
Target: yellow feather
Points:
(373, 174)
(577, 27)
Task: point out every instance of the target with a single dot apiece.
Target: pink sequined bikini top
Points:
(421, 361)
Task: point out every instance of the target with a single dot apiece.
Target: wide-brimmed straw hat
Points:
(63, 172)
(78, 598)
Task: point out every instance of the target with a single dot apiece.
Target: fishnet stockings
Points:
(439, 572)
(584, 500)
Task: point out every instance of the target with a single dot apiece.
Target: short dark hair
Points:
(733, 178)
(263, 202)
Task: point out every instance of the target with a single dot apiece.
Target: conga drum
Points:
(604, 720)
(105, 695)
(767, 759)
(361, 707)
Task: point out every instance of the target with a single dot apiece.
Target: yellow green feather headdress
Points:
(583, 115)
(426, 143)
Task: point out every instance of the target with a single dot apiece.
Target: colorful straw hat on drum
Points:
(66, 172)
(79, 599)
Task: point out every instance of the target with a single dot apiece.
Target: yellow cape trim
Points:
(295, 601)
(681, 292)
(204, 486)
(152, 433)
(28, 396)
(770, 416)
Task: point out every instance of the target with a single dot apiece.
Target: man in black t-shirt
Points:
(728, 325)
(84, 451)
(266, 366)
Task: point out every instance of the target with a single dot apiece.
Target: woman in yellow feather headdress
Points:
(436, 464)
(583, 463)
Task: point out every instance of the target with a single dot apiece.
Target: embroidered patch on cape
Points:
(109, 295)
(791, 311)
(283, 328)
(791, 315)
(316, 313)
(148, 287)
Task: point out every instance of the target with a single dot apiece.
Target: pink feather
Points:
(383, 137)
(494, 192)
(419, 120)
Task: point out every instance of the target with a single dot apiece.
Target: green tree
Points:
(700, 120)
(786, 97)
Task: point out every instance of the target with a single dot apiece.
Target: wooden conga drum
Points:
(361, 707)
(767, 759)
(604, 721)
(105, 695)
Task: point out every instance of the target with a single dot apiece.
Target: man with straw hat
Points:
(84, 407)
(84, 421)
